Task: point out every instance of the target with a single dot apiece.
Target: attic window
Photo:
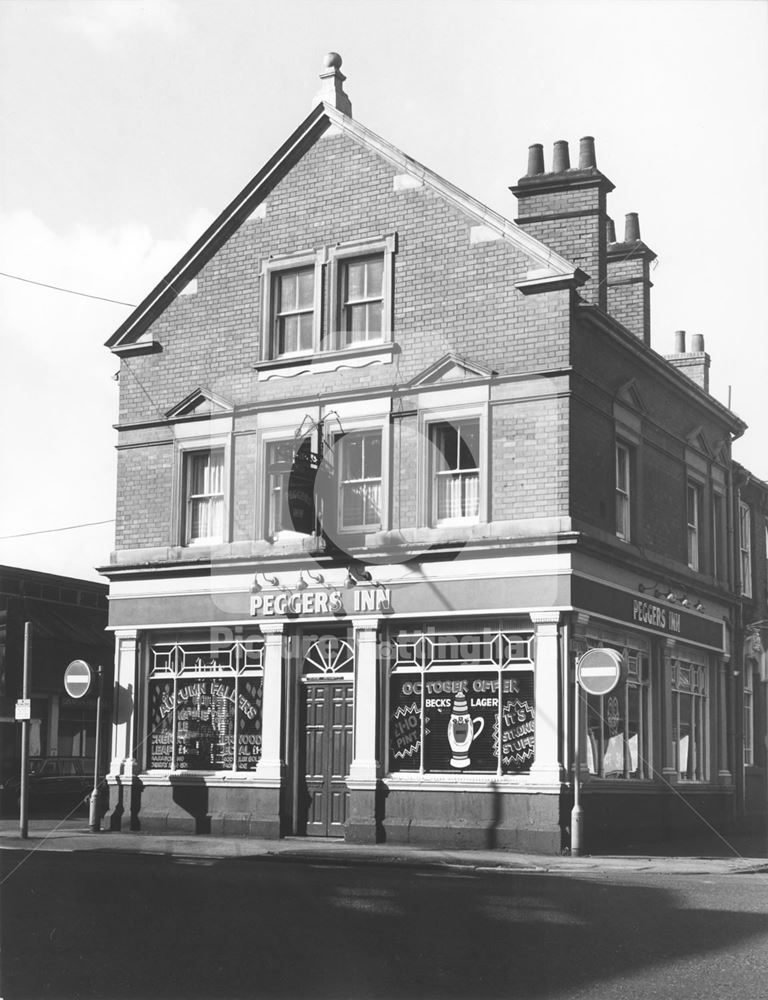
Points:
(291, 311)
(360, 293)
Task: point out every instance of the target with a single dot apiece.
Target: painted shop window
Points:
(693, 507)
(623, 496)
(618, 725)
(360, 481)
(462, 703)
(455, 479)
(204, 496)
(205, 702)
(745, 548)
(690, 730)
(290, 477)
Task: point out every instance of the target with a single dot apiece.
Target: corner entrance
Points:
(326, 727)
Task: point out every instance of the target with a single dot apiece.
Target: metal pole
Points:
(94, 816)
(24, 800)
(577, 813)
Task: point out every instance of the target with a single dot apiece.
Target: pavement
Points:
(733, 855)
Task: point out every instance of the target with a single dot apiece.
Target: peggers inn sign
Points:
(329, 601)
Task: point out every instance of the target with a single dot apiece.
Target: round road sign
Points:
(599, 670)
(77, 679)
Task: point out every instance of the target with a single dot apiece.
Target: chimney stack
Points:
(694, 363)
(332, 89)
(629, 279)
(566, 210)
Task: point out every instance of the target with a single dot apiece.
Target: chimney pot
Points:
(697, 343)
(680, 342)
(560, 158)
(587, 153)
(610, 229)
(631, 228)
(535, 159)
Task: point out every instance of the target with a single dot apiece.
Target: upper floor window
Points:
(293, 318)
(718, 536)
(745, 548)
(455, 478)
(362, 302)
(693, 507)
(623, 496)
(360, 481)
(204, 496)
(289, 500)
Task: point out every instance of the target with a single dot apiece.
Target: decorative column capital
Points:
(271, 628)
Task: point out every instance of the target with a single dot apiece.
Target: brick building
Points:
(388, 464)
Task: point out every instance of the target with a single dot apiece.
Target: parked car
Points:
(58, 786)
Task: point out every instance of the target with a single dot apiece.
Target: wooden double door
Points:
(325, 755)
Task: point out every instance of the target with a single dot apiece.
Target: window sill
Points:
(330, 361)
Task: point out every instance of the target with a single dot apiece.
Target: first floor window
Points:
(622, 492)
(745, 547)
(290, 476)
(204, 705)
(693, 507)
(690, 728)
(360, 481)
(455, 470)
(204, 496)
(462, 703)
(718, 537)
(362, 299)
(618, 725)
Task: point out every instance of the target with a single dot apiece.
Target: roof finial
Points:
(332, 90)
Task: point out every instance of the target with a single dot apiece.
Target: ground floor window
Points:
(205, 705)
(690, 730)
(461, 703)
(618, 724)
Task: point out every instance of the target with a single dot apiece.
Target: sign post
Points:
(78, 681)
(598, 672)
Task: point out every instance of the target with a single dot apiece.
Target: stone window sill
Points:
(331, 361)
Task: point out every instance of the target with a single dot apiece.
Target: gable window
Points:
(455, 474)
(693, 507)
(362, 310)
(745, 548)
(293, 320)
(623, 530)
(360, 481)
(204, 496)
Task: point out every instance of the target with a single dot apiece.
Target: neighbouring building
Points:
(388, 464)
(68, 620)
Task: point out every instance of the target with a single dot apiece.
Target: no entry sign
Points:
(77, 679)
(599, 670)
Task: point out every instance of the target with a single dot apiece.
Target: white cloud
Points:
(106, 22)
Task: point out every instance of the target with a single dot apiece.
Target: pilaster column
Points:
(668, 720)
(720, 717)
(126, 696)
(271, 764)
(546, 765)
(364, 769)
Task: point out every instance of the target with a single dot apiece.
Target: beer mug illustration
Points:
(462, 729)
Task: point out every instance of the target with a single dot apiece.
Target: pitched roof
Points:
(549, 268)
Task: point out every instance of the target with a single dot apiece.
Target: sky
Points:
(127, 125)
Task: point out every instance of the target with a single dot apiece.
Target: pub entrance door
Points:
(326, 727)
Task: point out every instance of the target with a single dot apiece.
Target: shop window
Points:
(360, 481)
(693, 508)
(623, 492)
(205, 705)
(455, 472)
(204, 496)
(462, 703)
(749, 716)
(618, 725)
(745, 548)
(690, 729)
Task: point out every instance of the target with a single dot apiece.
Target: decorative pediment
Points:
(696, 439)
(451, 369)
(199, 403)
(630, 395)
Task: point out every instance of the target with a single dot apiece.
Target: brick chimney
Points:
(629, 281)
(566, 210)
(332, 86)
(693, 363)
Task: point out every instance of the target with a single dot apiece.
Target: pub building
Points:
(388, 464)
